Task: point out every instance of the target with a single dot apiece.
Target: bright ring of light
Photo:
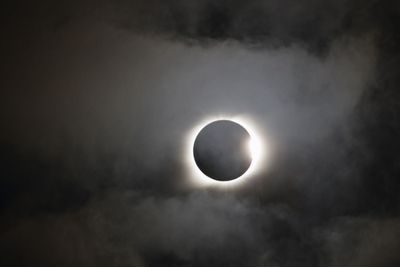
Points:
(256, 146)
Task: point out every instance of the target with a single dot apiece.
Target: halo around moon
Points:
(256, 147)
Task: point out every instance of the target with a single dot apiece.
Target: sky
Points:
(98, 99)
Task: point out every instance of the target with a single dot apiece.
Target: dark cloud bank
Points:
(98, 97)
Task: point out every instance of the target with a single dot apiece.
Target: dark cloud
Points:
(97, 100)
(313, 24)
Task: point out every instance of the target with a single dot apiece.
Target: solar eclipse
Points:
(224, 151)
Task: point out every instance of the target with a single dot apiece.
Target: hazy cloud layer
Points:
(98, 98)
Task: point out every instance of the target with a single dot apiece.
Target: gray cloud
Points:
(97, 108)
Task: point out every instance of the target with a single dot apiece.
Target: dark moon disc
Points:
(221, 150)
